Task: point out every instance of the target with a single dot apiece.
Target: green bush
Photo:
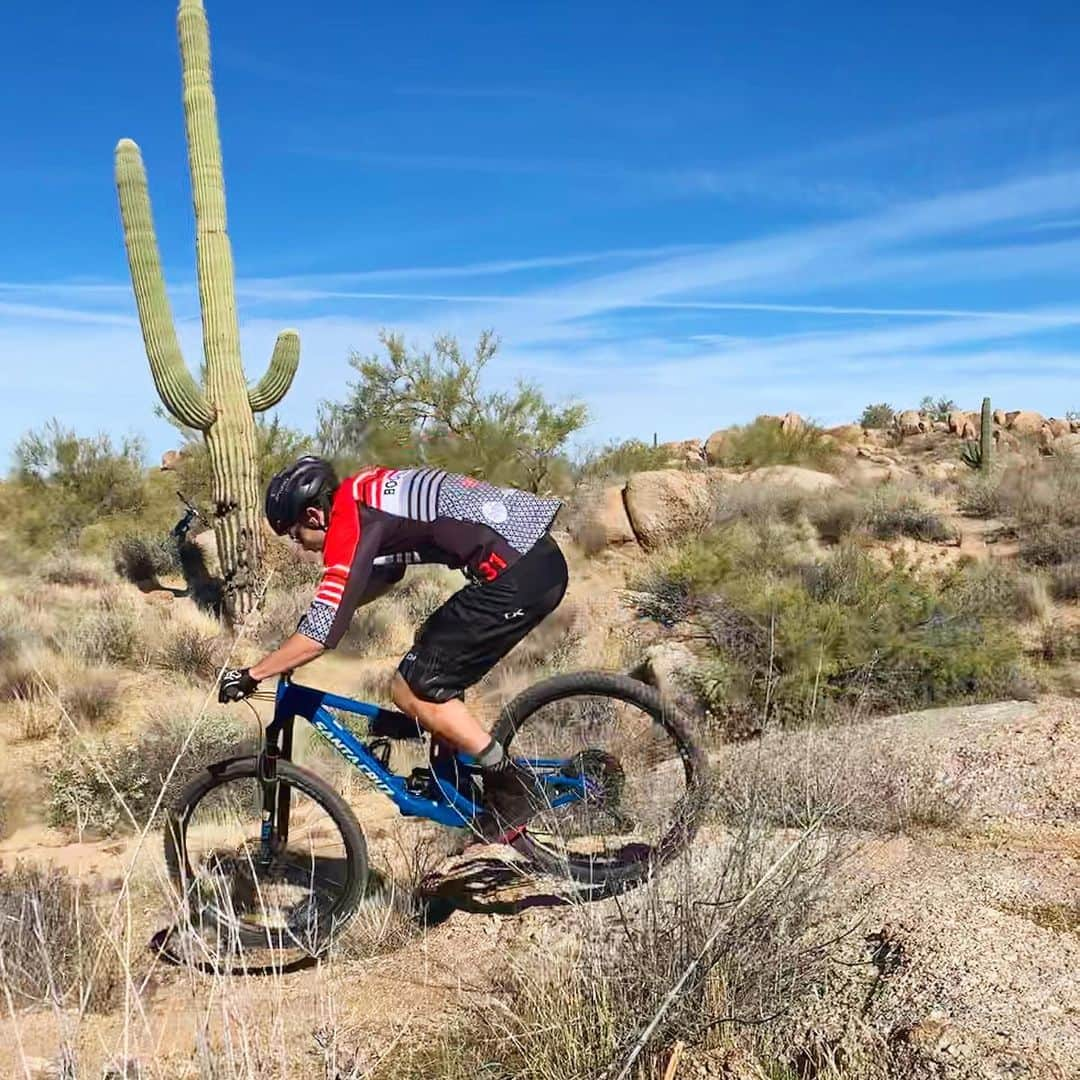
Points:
(429, 407)
(828, 638)
(937, 409)
(619, 460)
(141, 557)
(1051, 544)
(876, 417)
(63, 481)
(895, 513)
(765, 442)
(81, 796)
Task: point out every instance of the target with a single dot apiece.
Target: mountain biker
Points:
(369, 527)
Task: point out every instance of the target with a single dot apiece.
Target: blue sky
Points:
(685, 214)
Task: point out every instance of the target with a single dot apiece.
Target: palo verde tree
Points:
(431, 407)
(223, 408)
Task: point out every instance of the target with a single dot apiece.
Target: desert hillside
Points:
(873, 632)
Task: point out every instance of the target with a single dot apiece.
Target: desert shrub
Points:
(68, 569)
(574, 1005)
(878, 416)
(765, 442)
(377, 629)
(64, 481)
(282, 611)
(107, 633)
(1059, 642)
(190, 650)
(618, 460)
(828, 637)
(836, 515)
(1050, 544)
(144, 557)
(792, 781)
(91, 697)
(551, 647)
(937, 409)
(980, 496)
(288, 569)
(1043, 491)
(25, 675)
(80, 795)
(1065, 580)
(893, 513)
(424, 590)
(55, 949)
(996, 590)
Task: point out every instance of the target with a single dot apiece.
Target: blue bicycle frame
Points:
(446, 804)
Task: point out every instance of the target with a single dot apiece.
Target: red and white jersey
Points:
(382, 519)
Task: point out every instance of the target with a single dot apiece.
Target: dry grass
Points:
(74, 570)
(849, 781)
(1065, 581)
(192, 647)
(573, 1003)
(91, 697)
(50, 941)
(111, 632)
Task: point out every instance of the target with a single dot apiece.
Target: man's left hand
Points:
(236, 684)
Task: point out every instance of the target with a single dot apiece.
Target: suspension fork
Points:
(276, 796)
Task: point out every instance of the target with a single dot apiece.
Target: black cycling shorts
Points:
(466, 637)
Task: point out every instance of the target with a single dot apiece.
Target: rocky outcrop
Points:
(715, 445)
(662, 505)
(793, 477)
(603, 522)
(684, 452)
(1026, 423)
(911, 422)
(791, 422)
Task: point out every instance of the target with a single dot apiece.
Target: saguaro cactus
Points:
(986, 436)
(223, 409)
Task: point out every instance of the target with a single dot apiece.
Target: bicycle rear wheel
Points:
(641, 779)
(293, 894)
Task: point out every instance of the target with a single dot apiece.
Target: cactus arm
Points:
(175, 385)
(273, 386)
(986, 436)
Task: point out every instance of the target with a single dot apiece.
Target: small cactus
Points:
(223, 410)
(979, 455)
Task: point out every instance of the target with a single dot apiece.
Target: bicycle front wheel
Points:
(625, 782)
(292, 893)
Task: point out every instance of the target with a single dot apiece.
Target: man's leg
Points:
(450, 720)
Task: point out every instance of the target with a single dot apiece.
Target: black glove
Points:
(236, 684)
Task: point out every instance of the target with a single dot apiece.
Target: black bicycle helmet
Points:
(311, 481)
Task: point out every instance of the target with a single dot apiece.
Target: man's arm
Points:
(295, 652)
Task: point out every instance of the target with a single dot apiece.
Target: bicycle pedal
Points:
(419, 782)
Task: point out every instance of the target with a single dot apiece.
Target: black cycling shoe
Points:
(512, 795)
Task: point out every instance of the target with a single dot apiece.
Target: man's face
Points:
(310, 531)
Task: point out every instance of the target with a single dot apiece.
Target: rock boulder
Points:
(793, 477)
(604, 522)
(715, 445)
(663, 504)
(911, 422)
(1026, 423)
